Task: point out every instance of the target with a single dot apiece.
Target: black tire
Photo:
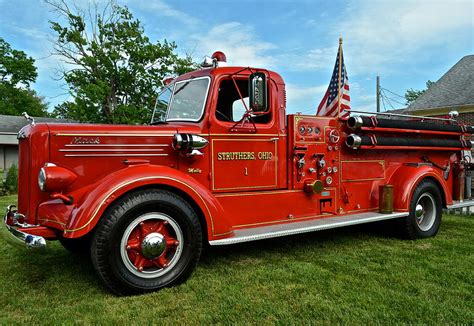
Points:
(116, 262)
(80, 246)
(427, 197)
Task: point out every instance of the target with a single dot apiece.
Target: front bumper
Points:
(14, 231)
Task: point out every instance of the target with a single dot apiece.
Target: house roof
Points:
(454, 89)
(10, 124)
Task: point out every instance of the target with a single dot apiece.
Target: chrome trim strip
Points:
(111, 150)
(267, 232)
(114, 135)
(458, 204)
(401, 115)
(106, 155)
(124, 145)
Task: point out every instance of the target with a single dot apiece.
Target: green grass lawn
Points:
(351, 275)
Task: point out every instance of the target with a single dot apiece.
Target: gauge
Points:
(302, 130)
(329, 180)
(334, 169)
(310, 130)
(317, 131)
(329, 169)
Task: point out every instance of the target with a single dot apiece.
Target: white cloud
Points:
(315, 59)
(164, 9)
(382, 33)
(304, 98)
(297, 92)
(239, 42)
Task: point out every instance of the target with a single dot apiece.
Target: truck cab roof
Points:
(229, 70)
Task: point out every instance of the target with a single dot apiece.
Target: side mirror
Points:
(258, 92)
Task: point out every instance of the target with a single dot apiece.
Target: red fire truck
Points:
(222, 163)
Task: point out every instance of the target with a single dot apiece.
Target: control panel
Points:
(316, 163)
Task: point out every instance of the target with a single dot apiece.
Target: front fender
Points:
(85, 217)
(406, 178)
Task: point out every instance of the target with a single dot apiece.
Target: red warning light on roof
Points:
(219, 56)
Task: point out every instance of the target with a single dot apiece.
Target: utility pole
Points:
(378, 94)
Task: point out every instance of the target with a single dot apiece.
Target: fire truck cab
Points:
(222, 163)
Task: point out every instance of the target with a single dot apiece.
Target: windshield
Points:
(161, 106)
(182, 101)
(189, 99)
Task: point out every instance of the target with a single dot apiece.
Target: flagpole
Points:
(339, 93)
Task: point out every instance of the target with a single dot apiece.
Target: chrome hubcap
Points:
(419, 211)
(425, 212)
(153, 245)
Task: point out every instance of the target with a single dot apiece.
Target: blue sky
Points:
(405, 42)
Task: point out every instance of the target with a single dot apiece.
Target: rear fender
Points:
(86, 216)
(406, 178)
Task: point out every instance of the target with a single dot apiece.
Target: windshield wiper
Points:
(182, 87)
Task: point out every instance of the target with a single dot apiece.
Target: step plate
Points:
(461, 204)
(280, 230)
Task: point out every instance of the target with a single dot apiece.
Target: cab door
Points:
(246, 151)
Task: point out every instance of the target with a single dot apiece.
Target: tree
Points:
(17, 71)
(412, 94)
(114, 68)
(10, 184)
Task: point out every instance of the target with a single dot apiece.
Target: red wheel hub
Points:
(151, 243)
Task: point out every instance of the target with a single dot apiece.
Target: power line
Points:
(394, 100)
(383, 102)
(403, 97)
(387, 98)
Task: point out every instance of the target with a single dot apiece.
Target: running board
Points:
(461, 204)
(280, 230)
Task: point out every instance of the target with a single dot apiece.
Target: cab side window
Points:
(229, 104)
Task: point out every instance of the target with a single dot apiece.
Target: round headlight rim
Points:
(42, 179)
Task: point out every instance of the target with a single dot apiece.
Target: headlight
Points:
(42, 179)
(54, 178)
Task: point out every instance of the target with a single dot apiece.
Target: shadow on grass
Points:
(65, 272)
(317, 240)
(54, 266)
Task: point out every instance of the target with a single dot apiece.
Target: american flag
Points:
(329, 105)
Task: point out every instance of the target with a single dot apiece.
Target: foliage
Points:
(354, 275)
(115, 68)
(412, 94)
(16, 100)
(10, 184)
(17, 72)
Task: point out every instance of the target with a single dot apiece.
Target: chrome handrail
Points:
(402, 115)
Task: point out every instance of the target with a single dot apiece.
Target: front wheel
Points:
(425, 212)
(148, 240)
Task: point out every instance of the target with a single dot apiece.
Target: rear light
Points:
(54, 178)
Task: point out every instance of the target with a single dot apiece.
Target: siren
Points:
(167, 80)
(218, 59)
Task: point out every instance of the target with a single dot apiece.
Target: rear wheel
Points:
(425, 212)
(148, 240)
